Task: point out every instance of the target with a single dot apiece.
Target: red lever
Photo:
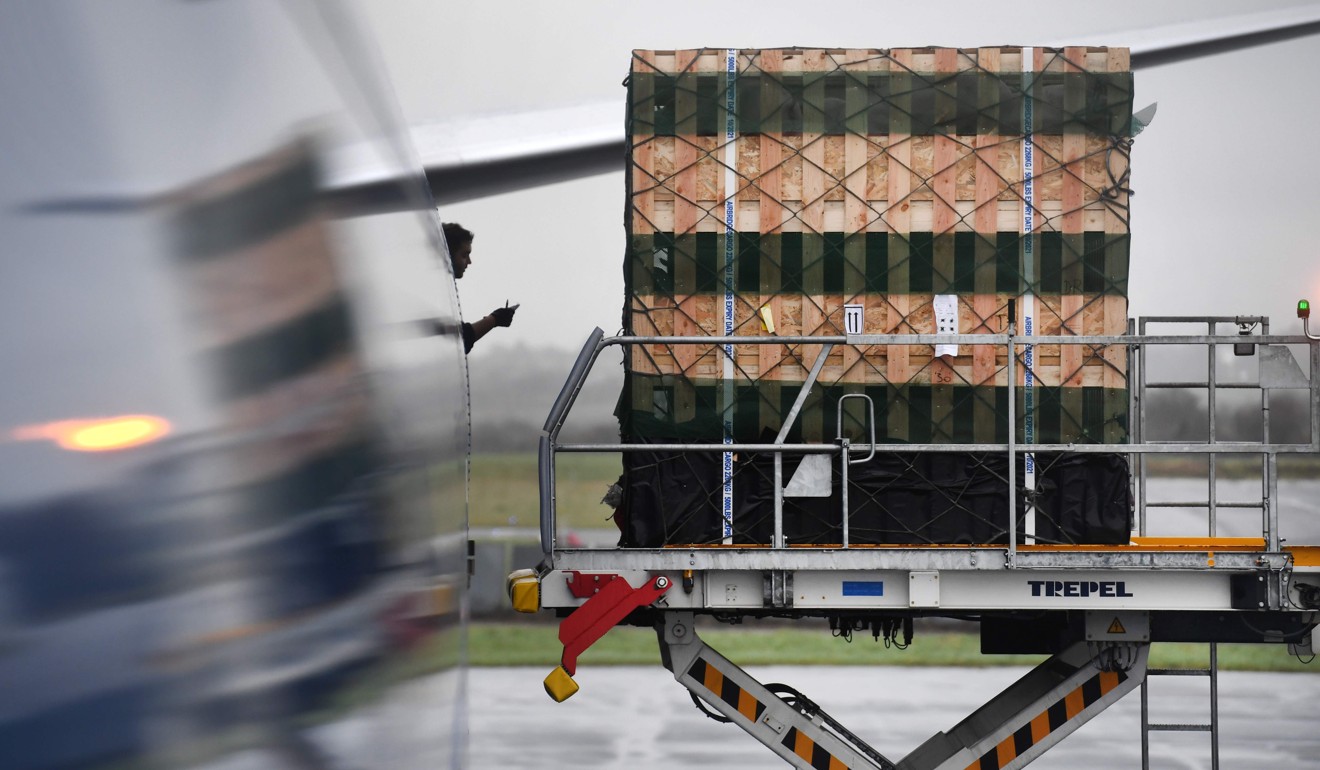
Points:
(584, 586)
(612, 598)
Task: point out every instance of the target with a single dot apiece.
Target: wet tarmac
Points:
(640, 719)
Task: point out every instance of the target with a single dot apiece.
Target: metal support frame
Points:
(1011, 730)
(1137, 449)
(803, 736)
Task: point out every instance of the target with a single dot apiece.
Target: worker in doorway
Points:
(459, 239)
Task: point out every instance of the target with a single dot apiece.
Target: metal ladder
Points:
(1212, 727)
(1211, 504)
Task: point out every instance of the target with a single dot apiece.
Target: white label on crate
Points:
(854, 319)
(946, 322)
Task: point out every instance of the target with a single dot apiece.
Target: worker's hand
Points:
(503, 316)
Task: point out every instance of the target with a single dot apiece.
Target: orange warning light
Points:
(97, 435)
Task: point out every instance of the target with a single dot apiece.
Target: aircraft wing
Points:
(494, 154)
(479, 156)
(1170, 45)
(491, 154)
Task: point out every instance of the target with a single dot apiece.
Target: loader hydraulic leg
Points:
(1008, 732)
(1038, 710)
(800, 733)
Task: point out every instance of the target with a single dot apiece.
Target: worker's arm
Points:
(502, 316)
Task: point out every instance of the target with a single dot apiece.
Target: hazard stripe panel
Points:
(816, 755)
(1047, 721)
(726, 690)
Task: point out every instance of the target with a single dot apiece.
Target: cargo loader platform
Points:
(1095, 608)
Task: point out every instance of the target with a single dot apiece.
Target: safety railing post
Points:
(1315, 396)
(1212, 386)
(843, 485)
(1012, 442)
(777, 539)
(845, 448)
(1141, 431)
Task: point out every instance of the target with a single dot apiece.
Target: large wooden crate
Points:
(773, 187)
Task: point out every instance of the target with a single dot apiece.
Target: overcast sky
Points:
(1226, 185)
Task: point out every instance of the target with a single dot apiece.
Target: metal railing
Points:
(1137, 448)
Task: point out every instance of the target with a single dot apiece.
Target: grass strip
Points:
(527, 644)
(506, 490)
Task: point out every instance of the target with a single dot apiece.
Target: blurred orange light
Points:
(101, 435)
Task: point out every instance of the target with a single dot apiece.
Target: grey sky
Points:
(1224, 183)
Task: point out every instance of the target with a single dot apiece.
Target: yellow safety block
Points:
(526, 595)
(524, 590)
(559, 685)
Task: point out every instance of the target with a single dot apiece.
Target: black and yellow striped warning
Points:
(1049, 720)
(747, 705)
(802, 745)
(726, 690)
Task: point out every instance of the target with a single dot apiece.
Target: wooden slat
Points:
(771, 64)
(877, 313)
(643, 151)
(944, 183)
(792, 366)
(814, 183)
(857, 64)
(1116, 223)
(643, 197)
(710, 195)
(988, 185)
(1073, 184)
(946, 152)
(898, 214)
(747, 219)
(686, 211)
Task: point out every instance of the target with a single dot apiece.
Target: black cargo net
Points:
(896, 497)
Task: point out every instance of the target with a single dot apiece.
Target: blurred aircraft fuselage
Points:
(232, 446)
